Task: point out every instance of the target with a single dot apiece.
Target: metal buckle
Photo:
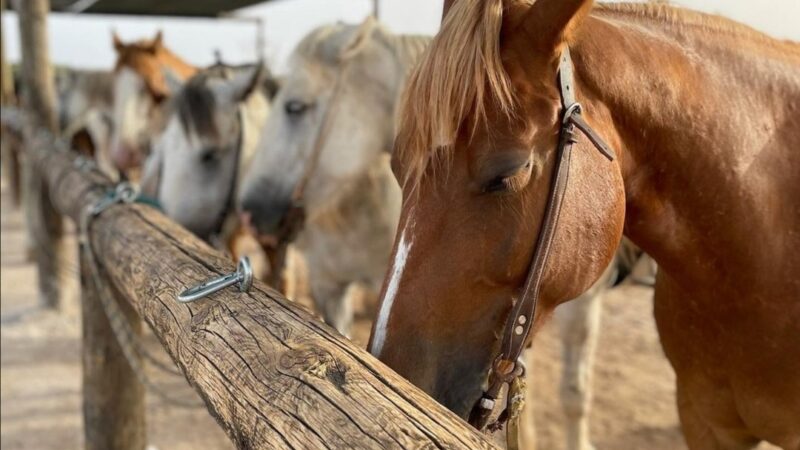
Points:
(574, 108)
(243, 277)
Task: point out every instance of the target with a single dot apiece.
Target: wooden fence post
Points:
(10, 149)
(113, 397)
(45, 224)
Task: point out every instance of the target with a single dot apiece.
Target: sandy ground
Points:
(41, 388)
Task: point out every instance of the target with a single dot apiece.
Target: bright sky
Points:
(84, 41)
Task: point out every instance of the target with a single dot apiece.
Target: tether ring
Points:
(243, 277)
(123, 193)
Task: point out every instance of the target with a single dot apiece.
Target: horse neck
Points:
(703, 120)
(406, 49)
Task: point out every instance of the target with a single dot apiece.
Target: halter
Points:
(506, 368)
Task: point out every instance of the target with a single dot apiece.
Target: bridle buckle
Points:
(573, 109)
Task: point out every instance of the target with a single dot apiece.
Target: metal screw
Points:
(243, 277)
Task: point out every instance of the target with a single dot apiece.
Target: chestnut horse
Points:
(139, 90)
(703, 115)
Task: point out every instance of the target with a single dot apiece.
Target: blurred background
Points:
(84, 40)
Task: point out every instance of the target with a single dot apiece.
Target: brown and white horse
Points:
(703, 115)
(139, 90)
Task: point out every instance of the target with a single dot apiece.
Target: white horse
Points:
(339, 99)
(352, 201)
(212, 125)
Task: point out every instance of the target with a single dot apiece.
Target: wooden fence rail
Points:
(271, 374)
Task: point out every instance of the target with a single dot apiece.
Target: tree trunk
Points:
(113, 397)
(45, 225)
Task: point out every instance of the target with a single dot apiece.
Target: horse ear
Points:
(550, 23)
(158, 40)
(118, 44)
(246, 82)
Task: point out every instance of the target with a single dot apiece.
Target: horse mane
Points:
(459, 73)
(195, 105)
(325, 44)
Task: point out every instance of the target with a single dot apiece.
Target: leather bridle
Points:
(506, 368)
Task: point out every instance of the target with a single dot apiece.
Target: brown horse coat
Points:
(703, 113)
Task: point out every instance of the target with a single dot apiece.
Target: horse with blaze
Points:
(703, 115)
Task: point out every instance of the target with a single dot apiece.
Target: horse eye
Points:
(208, 156)
(498, 184)
(508, 181)
(295, 108)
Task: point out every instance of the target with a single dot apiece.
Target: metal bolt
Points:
(522, 320)
(243, 277)
(519, 330)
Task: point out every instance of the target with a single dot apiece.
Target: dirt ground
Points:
(41, 385)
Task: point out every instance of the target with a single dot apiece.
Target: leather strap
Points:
(506, 369)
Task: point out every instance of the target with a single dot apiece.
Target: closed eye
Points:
(296, 108)
(509, 181)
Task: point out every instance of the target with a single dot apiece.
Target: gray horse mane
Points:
(326, 43)
(195, 103)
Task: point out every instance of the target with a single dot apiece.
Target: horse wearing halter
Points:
(506, 369)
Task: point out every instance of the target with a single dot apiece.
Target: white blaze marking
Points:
(394, 282)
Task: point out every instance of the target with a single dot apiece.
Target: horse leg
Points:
(527, 432)
(578, 321)
(700, 435)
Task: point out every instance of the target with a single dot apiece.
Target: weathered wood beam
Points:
(45, 225)
(270, 373)
(113, 398)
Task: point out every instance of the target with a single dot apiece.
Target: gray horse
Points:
(213, 123)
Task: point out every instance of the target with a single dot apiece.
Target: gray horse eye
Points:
(209, 156)
(295, 108)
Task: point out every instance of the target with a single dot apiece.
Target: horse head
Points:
(315, 141)
(475, 153)
(212, 125)
(139, 90)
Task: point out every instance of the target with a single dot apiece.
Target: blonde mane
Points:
(460, 72)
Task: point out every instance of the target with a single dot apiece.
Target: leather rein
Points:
(507, 369)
